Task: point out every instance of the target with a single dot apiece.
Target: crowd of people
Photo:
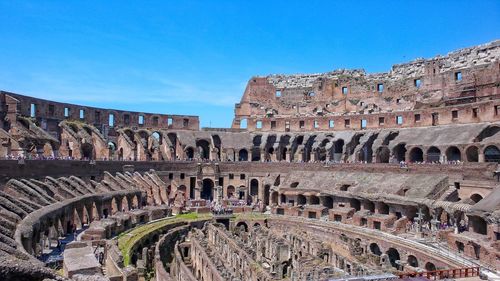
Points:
(402, 164)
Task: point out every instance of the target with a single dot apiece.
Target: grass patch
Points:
(127, 240)
(250, 216)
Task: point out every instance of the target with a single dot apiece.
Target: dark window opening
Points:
(51, 110)
(347, 123)
(474, 112)
(302, 124)
(454, 114)
(182, 176)
(381, 121)
(380, 88)
(417, 117)
(273, 124)
(242, 176)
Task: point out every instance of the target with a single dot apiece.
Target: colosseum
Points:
(344, 175)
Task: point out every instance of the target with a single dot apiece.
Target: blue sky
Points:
(195, 57)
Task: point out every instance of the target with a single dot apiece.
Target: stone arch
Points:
(230, 191)
(203, 147)
(189, 152)
(476, 197)
(314, 200)
(429, 266)
(416, 155)
(301, 199)
(87, 151)
(412, 261)
(158, 137)
(478, 225)
(242, 225)
(433, 154)
(243, 155)
(283, 198)
(207, 191)
(394, 256)
(453, 154)
(492, 154)
(112, 147)
(327, 201)
(274, 198)
(375, 249)
(338, 150)
(383, 208)
(254, 187)
(472, 153)
(383, 154)
(267, 190)
(399, 152)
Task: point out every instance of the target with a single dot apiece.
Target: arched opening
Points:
(383, 155)
(230, 191)
(478, 225)
(112, 150)
(430, 266)
(453, 154)
(125, 206)
(301, 199)
(383, 208)
(368, 205)
(416, 155)
(338, 149)
(157, 137)
(257, 141)
(254, 187)
(189, 153)
(476, 197)
(314, 200)
(243, 123)
(243, 155)
(267, 190)
(283, 198)
(274, 198)
(87, 151)
(472, 154)
(399, 152)
(283, 154)
(207, 189)
(393, 255)
(242, 226)
(355, 204)
(375, 249)
(492, 154)
(433, 154)
(327, 202)
(412, 261)
(203, 147)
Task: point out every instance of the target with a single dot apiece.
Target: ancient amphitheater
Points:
(328, 176)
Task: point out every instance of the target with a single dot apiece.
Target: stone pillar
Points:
(481, 157)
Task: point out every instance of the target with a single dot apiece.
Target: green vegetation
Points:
(250, 216)
(128, 239)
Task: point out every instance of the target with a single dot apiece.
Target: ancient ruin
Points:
(323, 176)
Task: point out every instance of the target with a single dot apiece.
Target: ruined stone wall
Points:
(424, 92)
(50, 113)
